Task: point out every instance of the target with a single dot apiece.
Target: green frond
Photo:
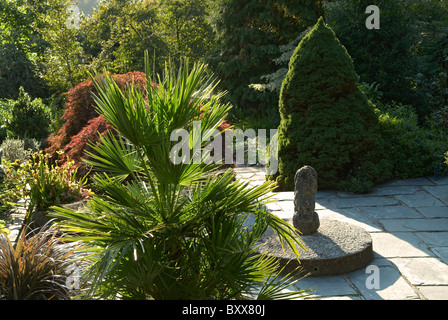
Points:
(160, 230)
(115, 156)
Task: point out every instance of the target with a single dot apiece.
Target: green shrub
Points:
(407, 144)
(9, 186)
(3, 228)
(414, 150)
(47, 184)
(18, 149)
(29, 118)
(326, 121)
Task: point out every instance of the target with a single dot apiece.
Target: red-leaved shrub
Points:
(83, 124)
(79, 143)
(81, 121)
(80, 109)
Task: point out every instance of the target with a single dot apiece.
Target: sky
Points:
(87, 6)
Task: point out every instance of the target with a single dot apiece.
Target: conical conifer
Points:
(326, 121)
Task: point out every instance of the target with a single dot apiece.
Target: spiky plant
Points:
(36, 268)
(160, 230)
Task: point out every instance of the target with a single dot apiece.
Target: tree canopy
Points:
(248, 35)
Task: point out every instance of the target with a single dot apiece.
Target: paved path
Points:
(408, 222)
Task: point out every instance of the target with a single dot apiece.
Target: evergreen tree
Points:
(384, 55)
(326, 121)
(249, 33)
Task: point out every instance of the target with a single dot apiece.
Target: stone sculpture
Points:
(305, 219)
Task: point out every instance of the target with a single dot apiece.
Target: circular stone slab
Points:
(335, 248)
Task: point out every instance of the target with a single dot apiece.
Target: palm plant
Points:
(160, 230)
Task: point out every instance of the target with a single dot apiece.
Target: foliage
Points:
(430, 22)
(9, 186)
(28, 118)
(188, 33)
(326, 121)
(249, 34)
(19, 45)
(406, 142)
(79, 115)
(400, 56)
(273, 82)
(446, 157)
(36, 268)
(62, 65)
(3, 228)
(119, 32)
(18, 149)
(161, 230)
(79, 144)
(47, 184)
(415, 150)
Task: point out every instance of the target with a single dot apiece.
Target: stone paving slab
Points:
(329, 286)
(440, 192)
(364, 202)
(394, 190)
(415, 224)
(322, 204)
(434, 292)
(389, 285)
(246, 175)
(405, 244)
(442, 253)
(423, 271)
(382, 191)
(424, 181)
(391, 212)
(273, 206)
(433, 212)
(324, 194)
(287, 206)
(439, 180)
(339, 298)
(242, 169)
(434, 239)
(420, 199)
(287, 195)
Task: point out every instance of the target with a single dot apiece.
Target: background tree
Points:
(248, 35)
(119, 32)
(20, 46)
(387, 56)
(430, 23)
(187, 30)
(62, 64)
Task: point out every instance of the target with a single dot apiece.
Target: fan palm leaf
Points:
(162, 230)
